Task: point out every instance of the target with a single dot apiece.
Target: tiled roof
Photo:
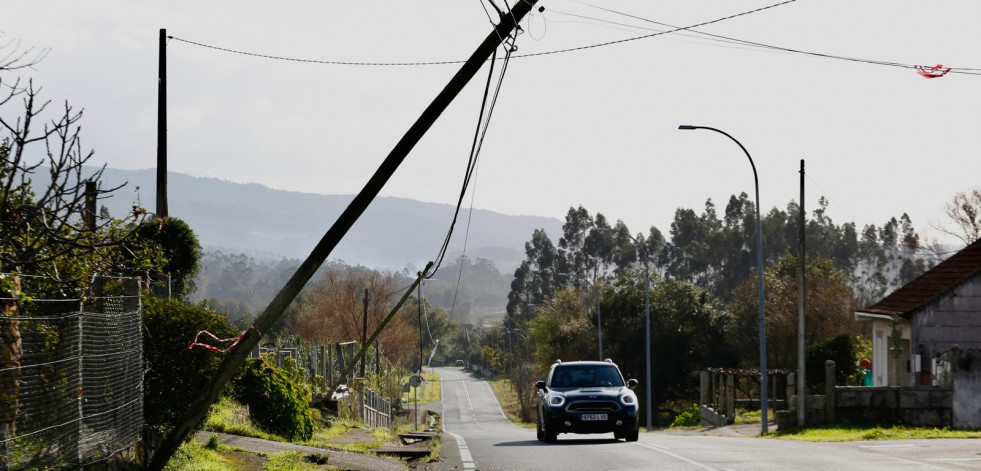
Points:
(937, 280)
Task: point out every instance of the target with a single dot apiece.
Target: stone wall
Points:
(927, 406)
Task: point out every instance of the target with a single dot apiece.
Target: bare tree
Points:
(40, 223)
(965, 211)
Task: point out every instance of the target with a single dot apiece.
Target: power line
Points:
(729, 39)
(448, 62)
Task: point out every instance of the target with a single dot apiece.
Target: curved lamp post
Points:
(759, 265)
(647, 318)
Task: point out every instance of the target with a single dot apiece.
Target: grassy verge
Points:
(508, 398)
(228, 416)
(427, 392)
(744, 416)
(860, 432)
(196, 456)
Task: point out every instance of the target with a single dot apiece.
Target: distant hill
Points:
(265, 223)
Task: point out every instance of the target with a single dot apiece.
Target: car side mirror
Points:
(540, 385)
(631, 383)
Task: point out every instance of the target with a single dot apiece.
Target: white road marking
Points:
(682, 458)
(465, 455)
(498, 402)
(473, 412)
(884, 446)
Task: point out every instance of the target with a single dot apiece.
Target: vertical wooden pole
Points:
(162, 128)
(801, 295)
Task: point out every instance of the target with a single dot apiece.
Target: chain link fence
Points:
(71, 374)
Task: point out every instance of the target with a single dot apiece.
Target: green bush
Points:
(176, 374)
(841, 349)
(691, 416)
(276, 402)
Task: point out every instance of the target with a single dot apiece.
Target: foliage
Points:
(690, 416)
(192, 455)
(180, 249)
(276, 402)
(847, 432)
(842, 350)
(563, 332)
(176, 373)
(715, 251)
(228, 416)
(332, 310)
(45, 225)
(689, 331)
(829, 310)
(290, 461)
(493, 358)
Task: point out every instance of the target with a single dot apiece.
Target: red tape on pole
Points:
(234, 340)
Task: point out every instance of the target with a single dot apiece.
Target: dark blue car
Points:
(586, 397)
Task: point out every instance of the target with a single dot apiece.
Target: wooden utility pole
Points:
(801, 295)
(162, 128)
(91, 197)
(364, 330)
(234, 359)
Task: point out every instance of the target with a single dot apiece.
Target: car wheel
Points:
(618, 435)
(551, 437)
(632, 436)
(539, 433)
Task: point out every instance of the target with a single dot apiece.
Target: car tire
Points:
(632, 436)
(618, 435)
(539, 433)
(551, 437)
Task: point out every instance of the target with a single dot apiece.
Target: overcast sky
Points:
(596, 127)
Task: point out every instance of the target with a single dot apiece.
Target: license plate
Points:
(590, 417)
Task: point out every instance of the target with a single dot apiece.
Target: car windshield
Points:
(585, 376)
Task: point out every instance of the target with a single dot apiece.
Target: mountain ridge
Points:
(393, 233)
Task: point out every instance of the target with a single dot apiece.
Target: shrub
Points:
(841, 349)
(276, 402)
(690, 416)
(176, 374)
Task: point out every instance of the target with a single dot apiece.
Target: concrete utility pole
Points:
(234, 359)
(162, 128)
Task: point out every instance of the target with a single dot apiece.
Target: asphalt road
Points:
(486, 440)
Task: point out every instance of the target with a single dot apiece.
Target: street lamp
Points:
(647, 318)
(599, 314)
(759, 266)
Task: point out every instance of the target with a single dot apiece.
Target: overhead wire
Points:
(475, 148)
(448, 62)
(729, 39)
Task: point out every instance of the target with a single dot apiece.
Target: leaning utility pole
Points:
(162, 128)
(234, 359)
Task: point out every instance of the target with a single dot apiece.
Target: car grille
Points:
(589, 406)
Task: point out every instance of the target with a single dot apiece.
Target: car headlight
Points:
(556, 400)
(628, 399)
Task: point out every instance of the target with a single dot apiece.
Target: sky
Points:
(595, 127)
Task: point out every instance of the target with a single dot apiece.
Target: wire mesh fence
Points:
(71, 376)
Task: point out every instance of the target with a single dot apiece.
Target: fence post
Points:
(81, 384)
(829, 391)
(789, 391)
(703, 388)
(730, 391)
